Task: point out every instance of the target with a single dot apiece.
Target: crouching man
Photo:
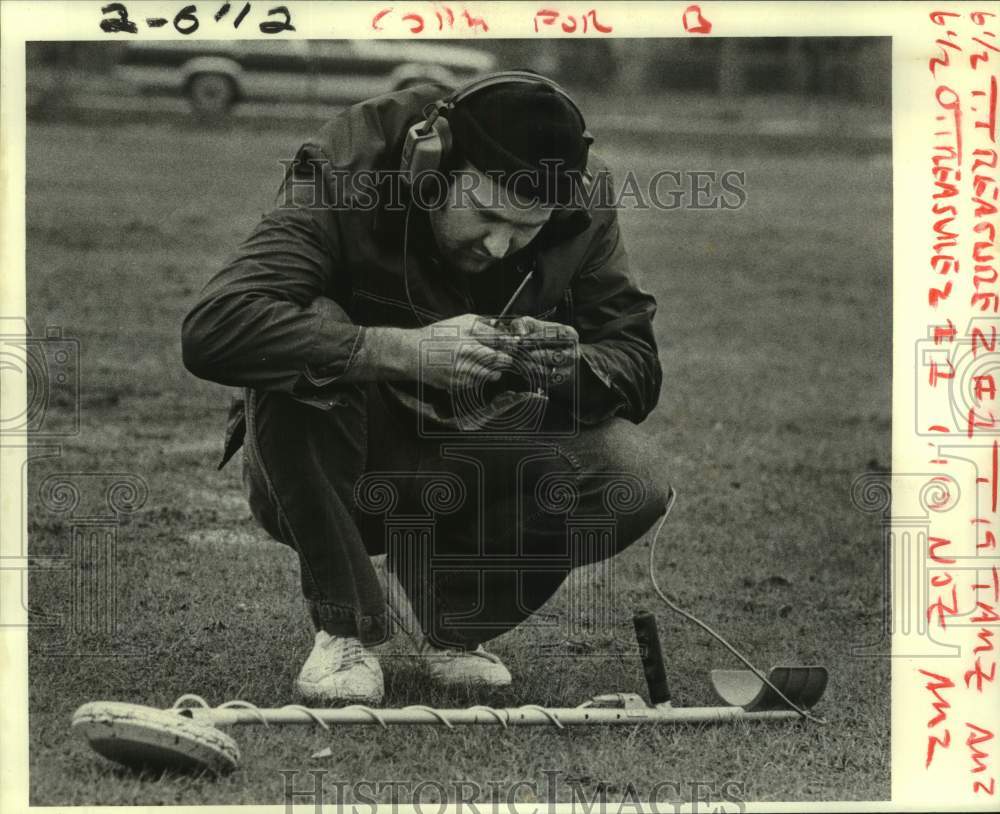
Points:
(441, 354)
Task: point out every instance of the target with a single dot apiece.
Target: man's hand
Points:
(461, 352)
(552, 346)
(453, 354)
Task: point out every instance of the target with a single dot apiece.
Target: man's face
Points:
(482, 223)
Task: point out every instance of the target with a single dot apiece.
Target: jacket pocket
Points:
(561, 311)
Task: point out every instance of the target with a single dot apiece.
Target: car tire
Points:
(211, 95)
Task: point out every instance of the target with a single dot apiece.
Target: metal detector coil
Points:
(149, 738)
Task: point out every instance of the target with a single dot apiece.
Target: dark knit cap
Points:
(528, 132)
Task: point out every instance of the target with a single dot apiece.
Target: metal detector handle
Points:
(648, 638)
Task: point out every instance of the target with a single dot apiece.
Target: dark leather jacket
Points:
(287, 312)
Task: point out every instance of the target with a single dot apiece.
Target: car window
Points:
(273, 48)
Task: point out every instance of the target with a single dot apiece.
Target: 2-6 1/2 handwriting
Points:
(185, 21)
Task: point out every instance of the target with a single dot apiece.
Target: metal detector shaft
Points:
(517, 716)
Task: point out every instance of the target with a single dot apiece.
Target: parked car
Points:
(215, 75)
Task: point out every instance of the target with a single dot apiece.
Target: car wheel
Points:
(211, 95)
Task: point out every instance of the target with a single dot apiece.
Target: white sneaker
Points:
(463, 667)
(448, 667)
(340, 669)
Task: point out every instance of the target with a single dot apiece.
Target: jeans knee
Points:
(628, 475)
(622, 446)
(657, 494)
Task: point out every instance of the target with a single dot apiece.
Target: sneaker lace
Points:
(349, 651)
(448, 652)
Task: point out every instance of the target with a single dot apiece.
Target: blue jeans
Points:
(480, 531)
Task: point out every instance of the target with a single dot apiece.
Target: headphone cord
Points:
(406, 251)
(671, 499)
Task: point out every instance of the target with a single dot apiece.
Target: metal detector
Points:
(188, 736)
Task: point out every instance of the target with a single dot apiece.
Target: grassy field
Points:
(775, 336)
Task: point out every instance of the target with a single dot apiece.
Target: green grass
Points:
(775, 334)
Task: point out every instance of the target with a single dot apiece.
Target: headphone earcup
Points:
(424, 149)
(443, 129)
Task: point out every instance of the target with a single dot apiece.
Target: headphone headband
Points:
(502, 78)
(428, 141)
(505, 78)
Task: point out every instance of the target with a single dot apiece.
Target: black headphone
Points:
(429, 141)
